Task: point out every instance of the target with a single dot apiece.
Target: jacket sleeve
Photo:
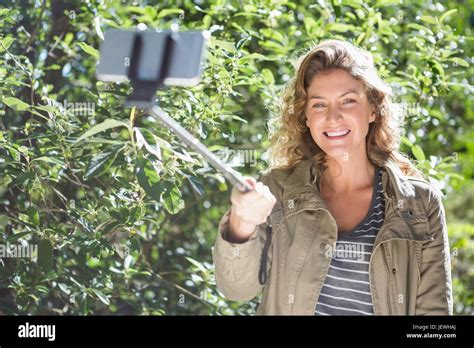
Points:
(237, 264)
(434, 296)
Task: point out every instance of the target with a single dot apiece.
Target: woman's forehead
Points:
(330, 84)
(334, 77)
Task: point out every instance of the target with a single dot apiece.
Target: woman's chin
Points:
(341, 152)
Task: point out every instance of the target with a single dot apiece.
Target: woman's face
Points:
(338, 113)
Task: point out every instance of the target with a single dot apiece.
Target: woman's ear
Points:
(372, 117)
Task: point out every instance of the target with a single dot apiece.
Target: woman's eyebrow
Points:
(342, 95)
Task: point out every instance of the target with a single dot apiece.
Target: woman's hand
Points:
(248, 210)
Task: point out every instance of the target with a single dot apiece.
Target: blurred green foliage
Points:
(123, 214)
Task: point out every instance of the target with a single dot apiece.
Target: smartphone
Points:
(170, 58)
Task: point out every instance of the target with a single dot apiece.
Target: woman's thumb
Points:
(251, 181)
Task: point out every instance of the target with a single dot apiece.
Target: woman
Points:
(344, 224)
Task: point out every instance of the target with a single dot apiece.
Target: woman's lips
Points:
(334, 135)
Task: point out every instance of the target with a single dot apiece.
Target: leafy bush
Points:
(123, 215)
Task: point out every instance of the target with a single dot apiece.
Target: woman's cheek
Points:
(315, 135)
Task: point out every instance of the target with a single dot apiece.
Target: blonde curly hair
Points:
(292, 141)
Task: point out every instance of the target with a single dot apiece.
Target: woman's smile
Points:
(336, 134)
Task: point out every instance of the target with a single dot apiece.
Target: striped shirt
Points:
(346, 289)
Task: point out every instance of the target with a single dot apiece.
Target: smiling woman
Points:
(342, 223)
(338, 117)
(341, 68)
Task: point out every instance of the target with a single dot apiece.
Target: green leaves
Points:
(107, 124)
(459, 61)
(22, 179)
(101, 162)
(148, 179)
(34, 216)
(101, 296)
(227, 46)
(196, 184)
(6, 43)
(15, 103)
(173, 200)
(252, 56)
(89, 50)
(197, 264)
(420, 27)
(161, 191)
(447, 14)
(309, 24)
(418, 153)
(268, 76)
(170, 11)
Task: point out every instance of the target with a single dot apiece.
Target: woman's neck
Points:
(345, 175)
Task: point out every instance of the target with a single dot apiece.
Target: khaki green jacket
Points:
(409, 268)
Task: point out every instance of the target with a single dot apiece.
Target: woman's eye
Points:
(349, 101)
(318, 105)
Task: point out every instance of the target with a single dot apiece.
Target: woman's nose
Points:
(334, 113)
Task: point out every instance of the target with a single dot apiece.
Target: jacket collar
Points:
(396, 186)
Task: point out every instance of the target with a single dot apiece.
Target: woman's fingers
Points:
(255, 206)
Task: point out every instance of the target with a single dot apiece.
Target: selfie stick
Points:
(234, 177)
(151, 67)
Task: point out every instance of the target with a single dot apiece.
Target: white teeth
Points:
(337, 134)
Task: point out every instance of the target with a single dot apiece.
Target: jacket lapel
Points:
(402, 204)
